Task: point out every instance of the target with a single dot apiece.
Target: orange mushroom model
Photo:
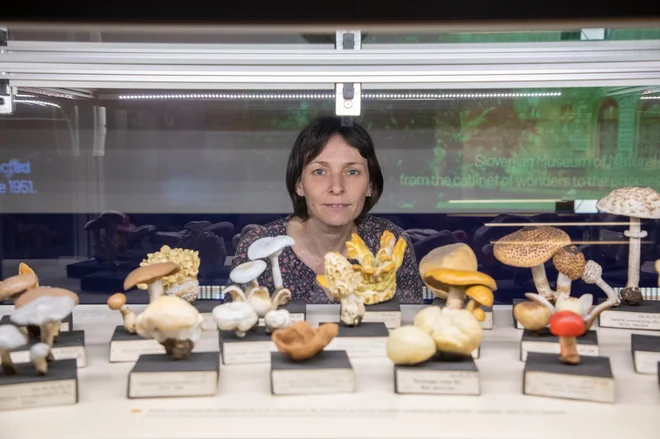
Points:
(567, 325)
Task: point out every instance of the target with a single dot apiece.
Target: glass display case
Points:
(120, 148)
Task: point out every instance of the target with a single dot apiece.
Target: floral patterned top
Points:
(301, 279)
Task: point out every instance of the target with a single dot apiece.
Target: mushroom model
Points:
(410, 345)
(14, 285)
(257, 296)
(239, 317)
(457, 256)
(300, 341)
(342, 283)
(10, 338)
(151, 275)
(634, 202)
(477, 286)
(570, 263)
(39, 356)
(656, 265)
(533, 316)
(592, 274)
(271, 247)
(567, 325)
(531, 247)
(118, 302)
(34, 331)
(174, 323)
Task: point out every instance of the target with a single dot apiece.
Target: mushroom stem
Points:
(236, 293)
(129, 318)
(39, 357)
(563, 286)
(281, 297)
(591, 317)
(541, 282)
(155, 289)
(277, 273)
(455, 298)
(634, 233)
(568, 350)
(542, 300)
(7, 365)
(48, 336)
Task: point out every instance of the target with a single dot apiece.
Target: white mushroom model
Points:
(10, 338)
(257, 296)
(454, 331)
(271, 247)
(582, 306)
(239, 317)
(276, 319)
(174, 323)
(410, 345)
(152, 276)
(45, 311)
(634, 202)
(39, 357)
(34, 331)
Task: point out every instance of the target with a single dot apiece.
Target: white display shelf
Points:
(244, 406)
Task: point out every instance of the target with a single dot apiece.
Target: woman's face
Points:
(335, 184)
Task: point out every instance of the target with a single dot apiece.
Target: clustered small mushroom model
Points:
(300, 341)
(169, 319)
(183, 282)
(637, 203)
(443, 332)
(253, 302)
(370, 281)
(450, 272)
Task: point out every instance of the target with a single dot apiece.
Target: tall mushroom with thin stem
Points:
(118, 302)
(10, 338)
(531, 247)
(257, 296)
(569, 262)
(592, 274)
(271, 248)
(151, 275)
(634, 202)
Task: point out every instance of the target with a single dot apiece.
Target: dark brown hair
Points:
(309, 144)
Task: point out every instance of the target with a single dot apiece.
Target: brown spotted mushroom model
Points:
(592, 274)
(531, 247)
(570, 263)
(634, 202)
(300, 341)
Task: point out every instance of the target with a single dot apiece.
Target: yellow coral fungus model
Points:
(189, 262)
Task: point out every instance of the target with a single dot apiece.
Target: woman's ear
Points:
(369, 191)
(299, 190)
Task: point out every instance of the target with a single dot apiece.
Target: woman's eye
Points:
(317, 172)
(354, 172)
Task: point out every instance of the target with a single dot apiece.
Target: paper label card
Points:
(310, 382)
(629, 320)
(77, 353)
(360, 347)
(578, 387)
(545, 347)
(172, 384)
(646, 362)
(392, 319)
(437, 382)
(244, 352)
(130, 350)
(45, 393)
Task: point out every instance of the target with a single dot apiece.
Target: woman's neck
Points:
(321, 239)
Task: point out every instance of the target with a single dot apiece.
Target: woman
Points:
(334, 180)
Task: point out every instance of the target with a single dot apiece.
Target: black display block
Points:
(127, 347)
(327, 372)
(104, 281)
(367, 340)
(385, 312)
(27, 389)
(255, 347)
(486, 324)
(297, 310)
(66, 326)
(645, 316)
(646, 353)
(544, 342)
(69, 345)
(590, 380)
(437, 377)
(159, 376)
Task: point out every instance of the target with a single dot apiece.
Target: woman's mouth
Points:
(337, 206)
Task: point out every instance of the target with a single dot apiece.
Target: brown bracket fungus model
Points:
(151, 275)
(271, 248)
(531, 247)
(174, 323)
(567, 325)
(117, 302)
(461, 283)
(457, 256)
(10, 338)
(300, 341)
(256, 295)
(634, 202)
(570, 263)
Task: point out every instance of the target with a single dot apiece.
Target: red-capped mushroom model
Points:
(567, 325)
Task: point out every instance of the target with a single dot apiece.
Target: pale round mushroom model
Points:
(10, 338)
(151, 275)
(634, 202)
(531, 247)
(271, 248)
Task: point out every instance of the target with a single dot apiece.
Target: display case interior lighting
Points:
(321, 96)
(650, 97)
(558, 224)
(39, 103)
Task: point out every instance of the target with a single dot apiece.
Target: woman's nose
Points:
(337, 185)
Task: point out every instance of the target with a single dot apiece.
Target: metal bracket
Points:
(4, 36)
(6, 98)
(348, 96)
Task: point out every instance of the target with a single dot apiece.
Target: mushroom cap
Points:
(592, 272)
(570, 261)
(39, 350)
(11, 337)
(169, 317)
(409, 345)
(481, 294)
(35, 293)
(43, 309)
(269, 246)
(443, 278)
(235, 315)
(456, 331)
(533, 316)
(566, 324)
(116, 301)
(16, 284)
(459, 256)
(247, 271)
(150, 273)
(300, 341)
(530, 246)
(632, 201)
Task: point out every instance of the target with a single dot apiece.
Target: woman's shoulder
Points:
(274, 228)
(374, 225)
